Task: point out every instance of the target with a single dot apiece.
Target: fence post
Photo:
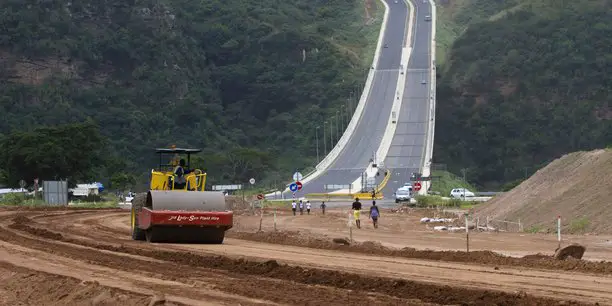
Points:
(275, 219)
(559, 230)
(350, 225)
(467, 234)
(520, 227)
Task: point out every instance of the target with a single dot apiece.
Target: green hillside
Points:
(524, 86)
(247, 80)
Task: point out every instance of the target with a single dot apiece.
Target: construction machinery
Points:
(176, 208)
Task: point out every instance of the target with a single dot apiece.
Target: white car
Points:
(403, 194)
(459, 193)
(427, 18)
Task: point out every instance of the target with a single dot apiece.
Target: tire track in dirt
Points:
(46, 288)
(397, 288)
(509, 279)
(191, 271)
(294, 238)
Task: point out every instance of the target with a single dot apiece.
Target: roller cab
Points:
(177, 209)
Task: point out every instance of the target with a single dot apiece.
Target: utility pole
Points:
(317, 140)
(324, 142)
(337, 126)
(342, 111)
(331, 133)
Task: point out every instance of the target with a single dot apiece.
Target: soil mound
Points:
(575, 251)
(575, 187)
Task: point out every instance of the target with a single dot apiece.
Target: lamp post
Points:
(342, 117)
(337, 126)
(324, 143)
(317, 140)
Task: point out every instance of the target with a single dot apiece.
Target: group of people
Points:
(301, 204)
(374, 212)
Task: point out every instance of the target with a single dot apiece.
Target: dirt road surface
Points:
(58, 257)
(404, 230)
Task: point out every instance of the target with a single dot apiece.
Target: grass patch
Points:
(447, 182)
(579, 226)
(105, 204)
(534, 229)
(438, 201)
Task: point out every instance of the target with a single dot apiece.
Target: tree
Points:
(122, 181)
(68, 151)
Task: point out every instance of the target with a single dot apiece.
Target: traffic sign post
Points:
(297, 176)
(252, 181)
(299, 185)
(293, 187)
(260, 196)
(417, 186)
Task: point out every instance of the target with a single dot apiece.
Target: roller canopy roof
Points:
(177, 150)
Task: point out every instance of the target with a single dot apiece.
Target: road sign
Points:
(297, 176)
(252, 181)
(299, 185)
(22, 184)
(293, 187)
(417, 186)
(260, 196)
(226, 187)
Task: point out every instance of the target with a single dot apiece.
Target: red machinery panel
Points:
(148, 218)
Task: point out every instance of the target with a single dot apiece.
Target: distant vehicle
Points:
(423, 82)
(461, 193)
(385, 45)
(427, 18)
(403, 194)
(395, 1)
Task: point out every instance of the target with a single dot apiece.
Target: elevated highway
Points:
(399, 86)
(407, 153)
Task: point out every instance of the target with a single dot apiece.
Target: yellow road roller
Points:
(177, 208)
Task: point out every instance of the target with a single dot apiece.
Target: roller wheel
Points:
(216, 238)
(138, 203)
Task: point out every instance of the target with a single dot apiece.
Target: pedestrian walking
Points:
(357, 212)
(293, 207)
(374, 214)
(301, 207)
(308, 207)
(323, 206)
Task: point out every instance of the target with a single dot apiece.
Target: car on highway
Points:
(423, 82)
(459, 193)
(427, 18)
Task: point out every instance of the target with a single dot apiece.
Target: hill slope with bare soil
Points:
(577, 186)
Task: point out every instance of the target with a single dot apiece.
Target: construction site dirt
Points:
(91, 259)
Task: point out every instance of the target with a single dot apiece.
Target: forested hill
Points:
(524, 87)
(247, 79)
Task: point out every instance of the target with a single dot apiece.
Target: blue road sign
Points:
(293, 187)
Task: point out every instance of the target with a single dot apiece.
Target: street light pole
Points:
(317, 140)
(324, 142)
(331, 133)
(337, 126)
(342, 117)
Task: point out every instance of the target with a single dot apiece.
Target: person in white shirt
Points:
(301, 207)
(293, 206)
(308, 207)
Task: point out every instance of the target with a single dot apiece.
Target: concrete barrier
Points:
(431, 120)
(350, 129)
(387, 139)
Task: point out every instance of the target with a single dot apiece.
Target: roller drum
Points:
(187, 200)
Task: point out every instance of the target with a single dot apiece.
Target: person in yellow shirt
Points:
(357, 212)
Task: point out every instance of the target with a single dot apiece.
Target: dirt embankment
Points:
(483, 257)
(21, 285)
(187, 264)
(577, 187)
